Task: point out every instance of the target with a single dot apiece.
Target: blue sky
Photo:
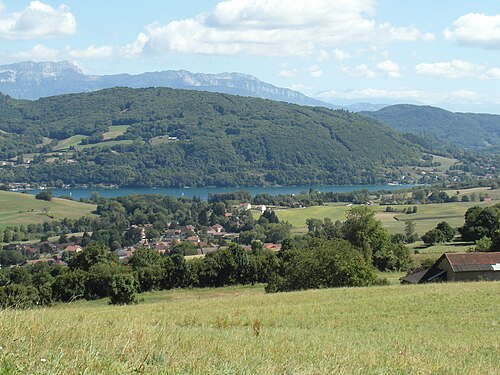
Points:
(444, 53)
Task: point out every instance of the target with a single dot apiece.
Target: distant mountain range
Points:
(467, 130)
(33, 80)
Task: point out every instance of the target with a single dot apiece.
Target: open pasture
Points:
(420, 329)
(22, 209)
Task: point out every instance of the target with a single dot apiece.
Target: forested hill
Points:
(468, 130)
(168, 137)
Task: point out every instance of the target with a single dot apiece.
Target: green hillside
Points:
(468, 130)
(212, 139)
(22, 209)
(448, 328)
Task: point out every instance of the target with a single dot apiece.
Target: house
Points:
(458, 267)
(161, 247)
(217, 228)
(71, 248)
(246, 206)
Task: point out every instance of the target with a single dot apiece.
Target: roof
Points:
(467, 262)
(414, 277)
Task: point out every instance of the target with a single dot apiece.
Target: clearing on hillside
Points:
(115, 131)
(18, 208)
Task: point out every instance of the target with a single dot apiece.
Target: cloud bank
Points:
(38, 20)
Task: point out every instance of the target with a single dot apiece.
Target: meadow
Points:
(419, 329)
(22, 209)
(426, 218)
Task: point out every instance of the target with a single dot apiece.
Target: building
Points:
(458, 267)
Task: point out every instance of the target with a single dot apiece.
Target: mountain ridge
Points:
(33, 80)
(176, 138)
(467, 130)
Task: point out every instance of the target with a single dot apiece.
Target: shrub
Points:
(45, 195)
(122, 289)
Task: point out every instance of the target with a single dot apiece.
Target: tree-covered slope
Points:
(193, 138)
(468, 130)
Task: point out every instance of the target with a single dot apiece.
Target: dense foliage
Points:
(468, 130)
(483, 224)
(197, 138)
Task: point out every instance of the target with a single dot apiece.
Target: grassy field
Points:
(427, 217)
(115, 131)
(17, 209)
(421, 329)
(68, 142)
(160, 139)
(106, 144)
(485, 191)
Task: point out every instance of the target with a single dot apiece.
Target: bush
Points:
(45, 195)
(122, 289)
(433, 237)
(322, 264)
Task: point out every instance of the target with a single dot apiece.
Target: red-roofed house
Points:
(73, 248)
(459, 267)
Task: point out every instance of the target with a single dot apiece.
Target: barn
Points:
(458, 267)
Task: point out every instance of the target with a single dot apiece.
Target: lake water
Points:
(203, 192)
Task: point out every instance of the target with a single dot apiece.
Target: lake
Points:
(203, 192)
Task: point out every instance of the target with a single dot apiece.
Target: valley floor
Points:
(421, 329)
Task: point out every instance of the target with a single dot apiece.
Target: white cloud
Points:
(288, 73)
(340, 55)
(390, 68)
(38, 53)
(277, 27)
(38, 20)
(493, 73)
(402, 95)
(91, 52)
(457, 69)
(450, 69)
(315, 71)
(476, 29)
(323, 56)
(302, 88)
(361, 70)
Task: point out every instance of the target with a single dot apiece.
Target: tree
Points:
(145, 257)
(184, 248)
(123, 287)
(364, 231)
(433, 237)
(70, 285)
(45, 195)
(11, 257)
(91, 255)
(484, 244)
(321, 264)
(447, 229)
(480, 222)
(410, 234)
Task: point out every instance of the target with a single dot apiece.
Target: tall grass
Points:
(423, 329)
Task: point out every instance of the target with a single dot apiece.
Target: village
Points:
(187, 240)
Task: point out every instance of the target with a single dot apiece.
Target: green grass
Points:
(427, 217)
(486, 191)
(418, 329)
(17, 209)
(160, 139)
(115, 131)
(106, 144)
(298, 216)
(68, 142)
